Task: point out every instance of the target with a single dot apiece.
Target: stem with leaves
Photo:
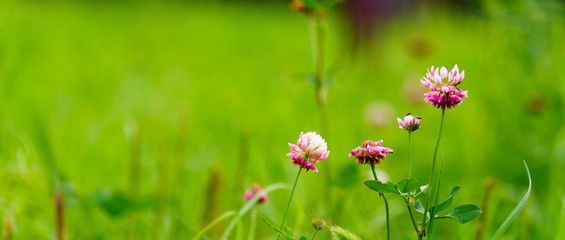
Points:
(421, 233)
(386, 204)
(411, 215)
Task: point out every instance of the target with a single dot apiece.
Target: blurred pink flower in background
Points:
(255, 189)
(442, 85)
(309, 149)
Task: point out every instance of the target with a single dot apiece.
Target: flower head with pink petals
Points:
(309, 149)
(255, 189)
(370, 152)
(443, 86)
(409, 123)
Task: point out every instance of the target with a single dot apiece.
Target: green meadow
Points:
(151, 119)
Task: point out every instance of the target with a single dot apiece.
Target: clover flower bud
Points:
(409, 123)
(318, 223)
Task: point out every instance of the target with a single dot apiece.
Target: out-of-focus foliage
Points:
(152, 118)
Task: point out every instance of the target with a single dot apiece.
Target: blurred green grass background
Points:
(152, 118)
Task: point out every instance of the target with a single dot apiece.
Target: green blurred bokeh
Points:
(153, 118)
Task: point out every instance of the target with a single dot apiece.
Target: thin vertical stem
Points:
(387, 218)
(430, 187)
(289, 201)
(410, 153)
(386, 204)
(411, 216)
(316, 232)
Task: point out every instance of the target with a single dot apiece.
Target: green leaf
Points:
(381, 187)
(303, 238)
(407, 185)
(514, 214)
(463, 213)
(273, 227)
(418, 207)
(443, 205)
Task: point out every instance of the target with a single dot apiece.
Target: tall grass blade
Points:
(514, 214)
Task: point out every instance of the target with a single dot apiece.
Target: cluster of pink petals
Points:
(409, 123)
(255, 189)
(309, 149)
(443, 86)
(370, 152)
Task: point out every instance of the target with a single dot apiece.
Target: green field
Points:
(152, 119)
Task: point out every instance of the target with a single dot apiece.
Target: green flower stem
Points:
(411, 215)
(430, 186)
(316, 232)
(289, 201)
(386, 204)
(410, 153)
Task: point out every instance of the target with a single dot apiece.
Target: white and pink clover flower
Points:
(443, 86)
(309, 150)
(370, 152)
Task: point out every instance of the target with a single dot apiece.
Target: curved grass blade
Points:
(250, 205)
(213, 223)
(514, 214)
